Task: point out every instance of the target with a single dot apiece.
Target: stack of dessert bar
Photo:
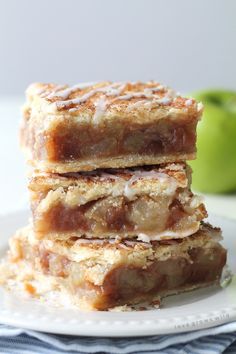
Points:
(114, 221)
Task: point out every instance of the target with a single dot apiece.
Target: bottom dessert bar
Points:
(102, 274)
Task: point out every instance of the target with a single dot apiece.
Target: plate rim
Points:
(132, 328)
(101, 328)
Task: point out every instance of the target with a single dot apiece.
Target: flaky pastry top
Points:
(109, 99)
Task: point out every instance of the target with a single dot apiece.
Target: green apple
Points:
(214, 170)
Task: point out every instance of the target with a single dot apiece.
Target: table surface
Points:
(14, 194)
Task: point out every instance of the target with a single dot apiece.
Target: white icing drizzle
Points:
(133, 176)
(146, 93)
(64, 94)
(167, 234)
(164, 100)
(128, 96)
(149, 93)
(143, 237)
(116, 90)
(137, 104)
(77, 100)
(100, 109)
(73, 110)
(161, 101)
(101, 103)
(43, 92)
(189, 102)
(149, 104)
(112, 90)
(129, 189)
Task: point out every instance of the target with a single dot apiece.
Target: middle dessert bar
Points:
(149, 203)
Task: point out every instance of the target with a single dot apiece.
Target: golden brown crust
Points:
(101, 276)
(83, 97)
(109, 251)
(179, 172)
(130, 160)
(107, 125)
(134, 251)
(152, 202)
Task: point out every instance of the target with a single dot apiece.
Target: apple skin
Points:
(214, 170)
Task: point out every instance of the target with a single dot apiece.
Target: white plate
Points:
(191, 311)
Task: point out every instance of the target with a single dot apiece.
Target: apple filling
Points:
(71, 141)
(118, 283)
(107, 217)
(124, 284)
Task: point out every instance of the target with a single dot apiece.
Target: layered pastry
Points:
(107, 125)
(148, 203)
(114, 221)
(102, 274)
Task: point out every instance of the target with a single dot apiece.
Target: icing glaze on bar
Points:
(115, 90)
(166, 235)
(129, 189)
(109, 90)
(65, 93)
(100, 109)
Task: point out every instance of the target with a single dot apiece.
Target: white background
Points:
(187, 44)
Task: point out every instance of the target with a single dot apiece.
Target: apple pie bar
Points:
(107, 125)
(149, 203)
(102, 274)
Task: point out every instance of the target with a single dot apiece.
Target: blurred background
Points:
(189, 45)
(186, 44)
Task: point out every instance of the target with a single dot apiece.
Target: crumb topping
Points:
(100, 96)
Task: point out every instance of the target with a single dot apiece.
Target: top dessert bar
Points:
(107, 125)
